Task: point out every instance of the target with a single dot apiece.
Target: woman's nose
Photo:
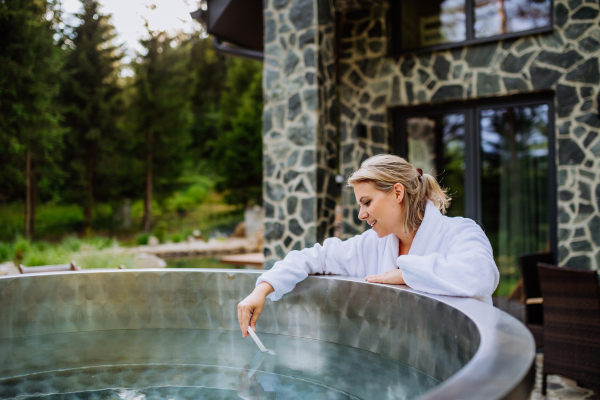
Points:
(362, 215)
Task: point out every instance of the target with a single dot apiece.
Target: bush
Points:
(160, 231)
(72, 243)
(142, 239)
(176, 238)
(21, 248)
(100, 242)
(6, 252)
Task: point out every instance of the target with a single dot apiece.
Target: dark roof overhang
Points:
(239, 22)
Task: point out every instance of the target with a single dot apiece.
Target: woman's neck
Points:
(405, 241)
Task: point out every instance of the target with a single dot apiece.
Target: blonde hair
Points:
(383, 171)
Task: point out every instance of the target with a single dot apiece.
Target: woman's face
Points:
(383, 211)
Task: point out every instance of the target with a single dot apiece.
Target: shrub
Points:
(176, 238)
(160, 231)
(71, 243)
(6, 252)
(100, 242)
(21, 247)
(142, 239)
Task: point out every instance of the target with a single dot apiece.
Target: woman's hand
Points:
(393, 277)
(253, 305)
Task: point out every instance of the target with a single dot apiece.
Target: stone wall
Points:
(565, 61)
(298, 131)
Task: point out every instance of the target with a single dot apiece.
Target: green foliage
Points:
(190, 116)
(196, 191)
(92, 253)
(6, 251)
(30, 66)
(71, 243)
(238, 149)
(92, 104)
(162, 113)
(160, 231)
(142, 239)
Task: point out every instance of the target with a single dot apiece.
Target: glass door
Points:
(496, 158)
(515, 184)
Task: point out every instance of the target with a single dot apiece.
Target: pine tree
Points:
(210, 70)
(30, 133)
(237, 150)
(91, 97)
(162, 110)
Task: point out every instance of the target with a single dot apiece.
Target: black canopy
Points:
(239, 22)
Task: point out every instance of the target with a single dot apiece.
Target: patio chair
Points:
(49, 268)
(532, 294)
(571, 325)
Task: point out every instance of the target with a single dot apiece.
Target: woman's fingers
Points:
(393, 277)
(254, 318)
(376, 278)
(243, 318)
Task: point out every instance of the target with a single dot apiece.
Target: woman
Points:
(410, 243)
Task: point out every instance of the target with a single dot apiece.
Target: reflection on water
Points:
(197, 364)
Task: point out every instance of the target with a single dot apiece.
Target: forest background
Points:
(88, 152)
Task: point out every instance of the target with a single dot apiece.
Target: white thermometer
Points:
(257, 340)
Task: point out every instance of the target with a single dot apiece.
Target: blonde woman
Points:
(411, 243)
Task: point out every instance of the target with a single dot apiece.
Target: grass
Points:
(171, 221)
(97, 252)
(60, 237)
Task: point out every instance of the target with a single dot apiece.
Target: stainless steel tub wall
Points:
(478, 351)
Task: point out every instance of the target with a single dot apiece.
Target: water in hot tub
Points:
(182, 364)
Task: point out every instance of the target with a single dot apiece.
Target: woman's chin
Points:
(380, 234)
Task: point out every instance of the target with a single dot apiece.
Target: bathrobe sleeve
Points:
(335, 257)
(463, 265)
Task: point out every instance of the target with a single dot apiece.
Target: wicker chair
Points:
(571, 325)
(532, 294)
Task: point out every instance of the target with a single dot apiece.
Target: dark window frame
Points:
(395, 19)
(471, 111)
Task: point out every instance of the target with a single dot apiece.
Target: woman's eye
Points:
(367, 203)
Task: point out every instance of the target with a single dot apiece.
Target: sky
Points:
(128, 18)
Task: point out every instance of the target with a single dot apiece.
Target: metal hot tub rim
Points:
(476, 351)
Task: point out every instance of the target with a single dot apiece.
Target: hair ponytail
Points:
(385, 170)
(435, 193)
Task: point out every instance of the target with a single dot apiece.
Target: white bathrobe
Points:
(448, 256)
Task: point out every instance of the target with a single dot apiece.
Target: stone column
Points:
(299, 132)
(365, 86)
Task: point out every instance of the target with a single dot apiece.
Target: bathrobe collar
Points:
(430, 226)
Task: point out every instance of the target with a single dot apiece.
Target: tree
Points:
(237, 150)
(162, 111)
(92, 101)
(210, 73)
(30, 64)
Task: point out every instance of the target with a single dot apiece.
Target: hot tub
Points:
(173, 334)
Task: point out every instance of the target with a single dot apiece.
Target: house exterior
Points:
(497, 98)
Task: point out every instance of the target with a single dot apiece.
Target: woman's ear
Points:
(399, 192)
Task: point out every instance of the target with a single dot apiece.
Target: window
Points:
(437, 24)
(496, 160)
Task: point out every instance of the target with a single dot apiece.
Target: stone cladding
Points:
(299, 126)
(565, 61)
